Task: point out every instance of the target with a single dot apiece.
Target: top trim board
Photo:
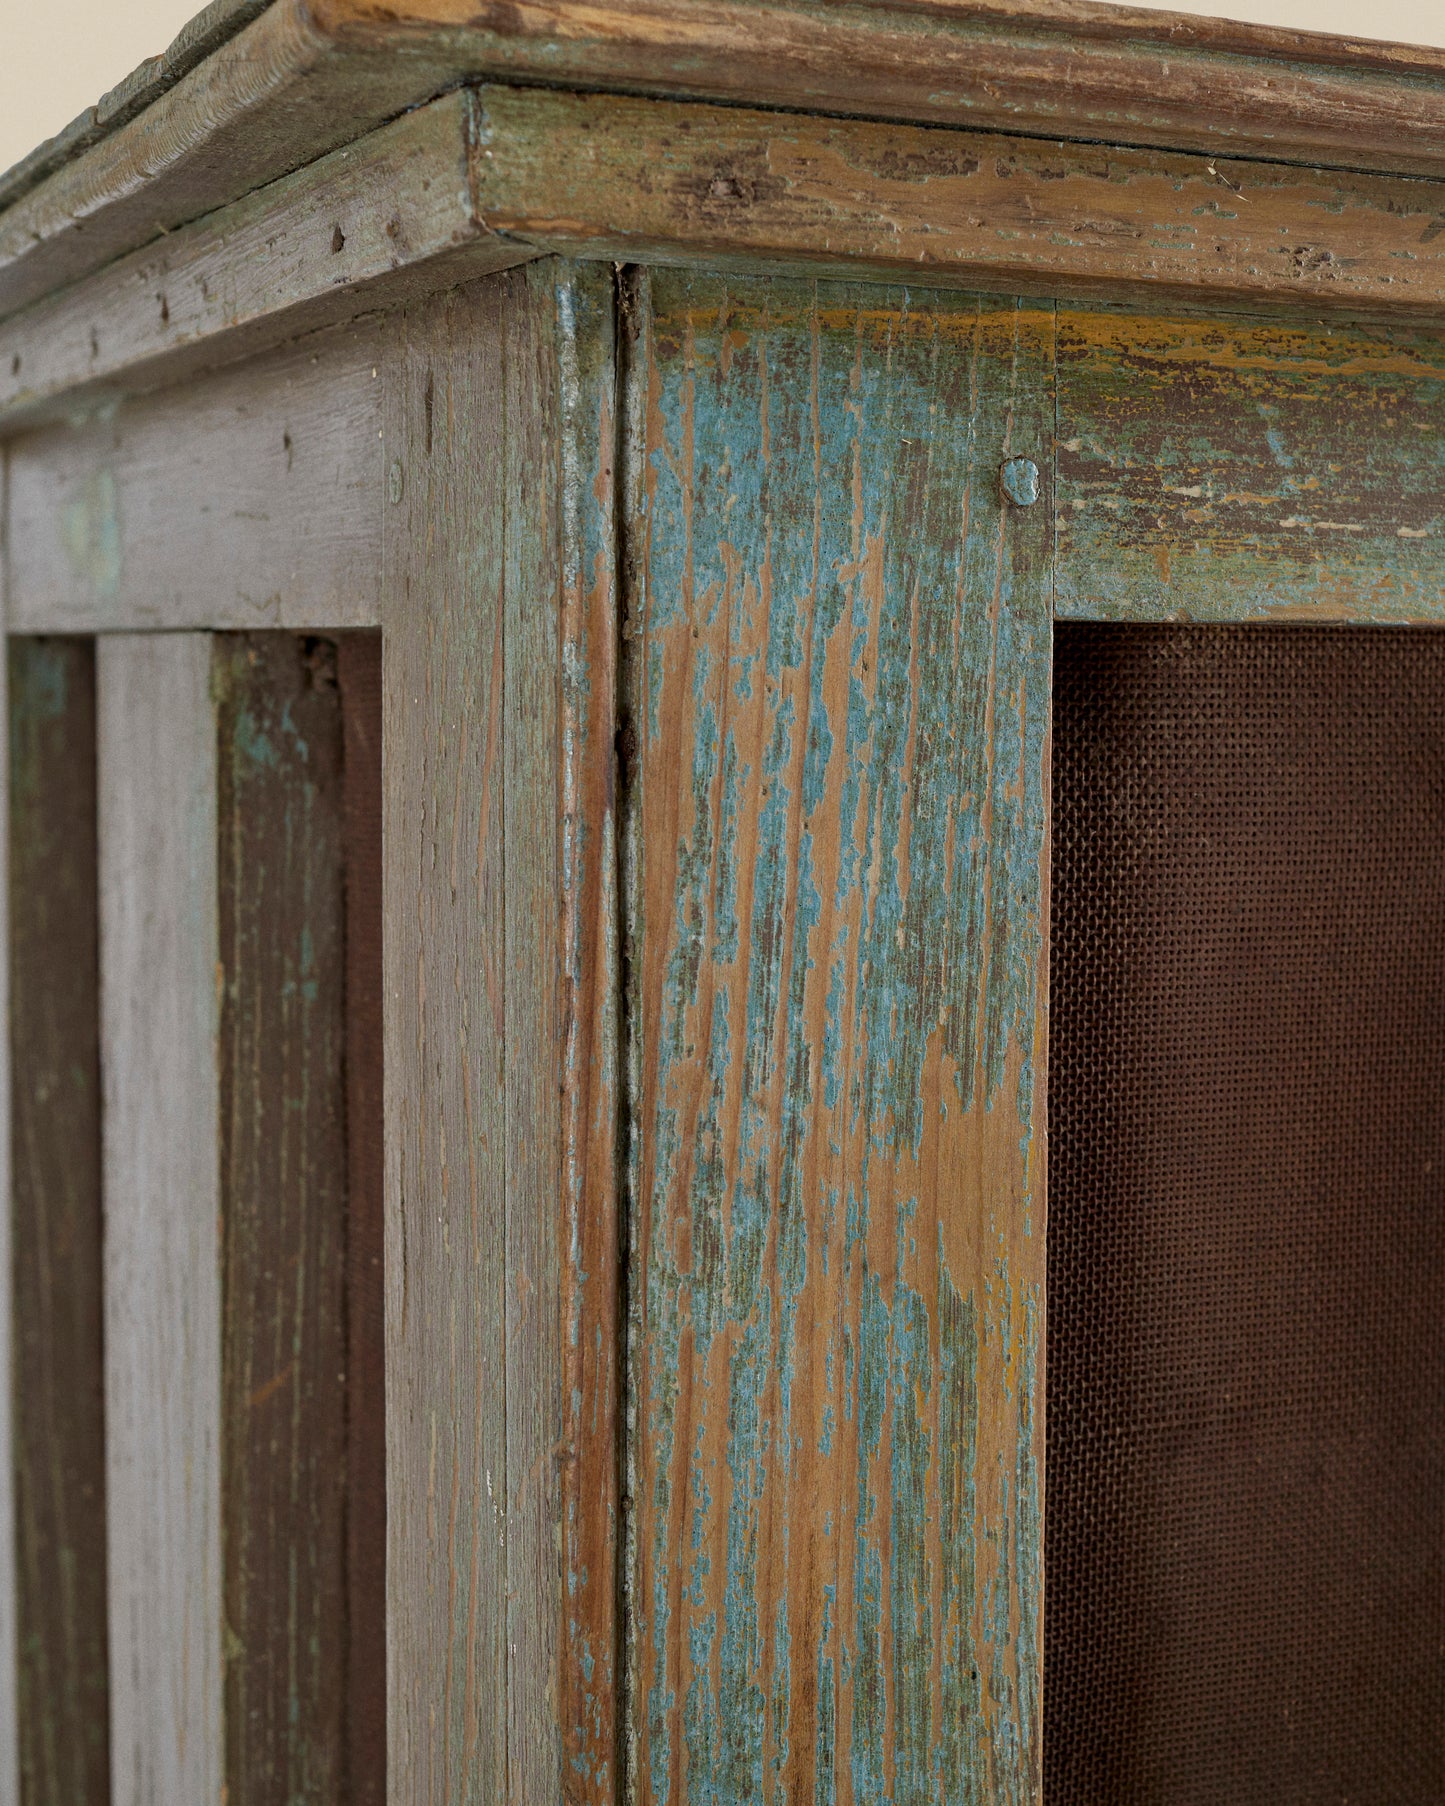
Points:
(306, 76)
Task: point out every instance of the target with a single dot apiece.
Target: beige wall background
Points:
(56, 58)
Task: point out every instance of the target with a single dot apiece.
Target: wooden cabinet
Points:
(531, 545)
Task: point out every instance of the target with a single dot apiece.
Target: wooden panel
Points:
(248, 500)
(157, 796)
(445, 965)
(839, 651)
(589, 1282)
(1238, 470)
(58, 1380)
(283, 1151)
(358, 661)
(726, 186)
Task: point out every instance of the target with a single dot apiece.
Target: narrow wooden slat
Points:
(157, 841)
(590, 1275)
(445, 966)
(283, 1152)
(839, 650)
(58, 1377)
(530, 769)
(1241, 470)
(251, 499)
(359, 670)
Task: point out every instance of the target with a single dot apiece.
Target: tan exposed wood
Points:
(386, 213)
(157, 807)
(724, 187)
(251, 500)
(309, 75)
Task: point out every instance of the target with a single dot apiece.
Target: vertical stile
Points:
(284, 1167)
(837, 900)
(58, 1376)
(591, 1393)
(159, 1027)
(445, 969)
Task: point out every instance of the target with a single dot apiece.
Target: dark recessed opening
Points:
(1245, 1542)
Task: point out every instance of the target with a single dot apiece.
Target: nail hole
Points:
(338, 240)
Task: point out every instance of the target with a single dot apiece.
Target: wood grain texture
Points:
(358, 664)
(283, 1160)
(590, 1276)
(157, 812)
(369, 224)
(839, 653)
(58, 1375)
(1239, 470)
(532, 936)
(307, 75)
(252, 499)
(729, 187)
(9, 1544)
(479, 182)
(446, 967)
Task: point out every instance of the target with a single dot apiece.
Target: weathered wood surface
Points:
(839, 652)
(1238, 470)
(365, 225)
(159, 1021)
(727, 187)
(590, 1686)
(283, 1156)
(252, 499)
(480, 182)
(446, 972)
(307, 75)
(529, 768)
(358, 664)
(58, 1379)
(195, 41)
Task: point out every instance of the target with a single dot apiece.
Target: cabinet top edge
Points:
(254, 89)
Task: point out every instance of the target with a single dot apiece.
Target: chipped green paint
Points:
(1236, 470)
(838, 660)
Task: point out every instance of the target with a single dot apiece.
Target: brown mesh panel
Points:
(1245, 1547)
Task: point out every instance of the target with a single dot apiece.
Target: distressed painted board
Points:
(734, 188)
(1241, 470)
(838, 649)
(159, 1026)
(283, 1158)
(58, 1376)
(590, 1685)
(247, 499)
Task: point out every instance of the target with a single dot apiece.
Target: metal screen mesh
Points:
(1245, 1544)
